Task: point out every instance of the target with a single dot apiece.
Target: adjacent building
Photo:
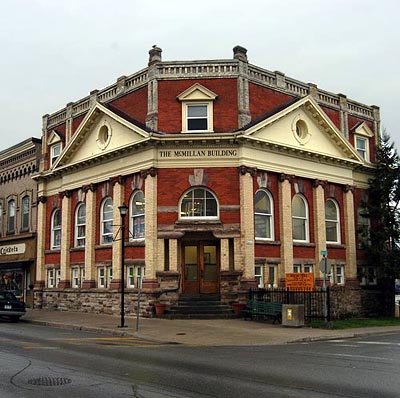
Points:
(18, 216)
(234, 176)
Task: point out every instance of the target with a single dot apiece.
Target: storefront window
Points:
(12, 281)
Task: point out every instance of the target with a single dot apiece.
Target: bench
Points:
(262, 309)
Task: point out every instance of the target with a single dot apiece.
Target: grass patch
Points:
(356, 323)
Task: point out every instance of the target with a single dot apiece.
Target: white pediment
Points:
(364, 130)
(54, 138)
(100, 133)
(304, 127)
(197, 92)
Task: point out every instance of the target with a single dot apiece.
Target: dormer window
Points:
(197, 109)
(55, 152)
(362, 136)
(197, 117)
(55, 146)
(361, 147)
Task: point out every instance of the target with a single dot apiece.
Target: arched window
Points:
(332, 221)
(199, 203)
(363, 228)
(107, 218)
(26, 208)
(11, 216)
(136, 221)
(263, 215)
(80, 225)
(300, 223)
(56, 229)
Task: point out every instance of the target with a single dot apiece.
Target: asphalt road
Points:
(37, 361)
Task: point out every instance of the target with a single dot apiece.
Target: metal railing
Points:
(313, 300)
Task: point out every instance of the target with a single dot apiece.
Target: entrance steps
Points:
(200, 306)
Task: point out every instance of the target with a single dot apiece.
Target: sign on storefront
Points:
(9, 250)
(300, 281)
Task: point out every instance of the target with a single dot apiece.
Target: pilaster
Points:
(173, 254)
(319, 222)
(247, 220)
(68, 121)
(224, 254)
(350, 232)
(244, 117)
(65, 268)
(118, 199)
(344, 123)
(41, 239)
(152, 88)
(90, 237)
(151, 228)
(285, 222)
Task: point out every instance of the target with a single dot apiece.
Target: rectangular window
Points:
(259, 275)
(58, 277)
(367, 276)
(297, 268)
(109, 276)
(272, 276)
(83, 274)
(102, 277)
(55, 153)
(50, 278)
(308, 268)
(361, 147)
(75, 277)
(339, 274)
(25, 213)
(197, 117)
(135, 276)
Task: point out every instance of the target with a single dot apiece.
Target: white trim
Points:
(104, 236)
(335, 221)
(136, 216)
(270, 216)
(306, 219)
(77, 225)
(55, 230)
(206, 218)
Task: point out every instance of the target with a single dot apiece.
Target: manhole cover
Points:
(49, 381)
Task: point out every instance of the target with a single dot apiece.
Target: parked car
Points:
(10, 306)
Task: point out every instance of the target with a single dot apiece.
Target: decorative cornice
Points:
(90, 187)
(282, 177)
(152, 171)
(42, 199)
(65, 194)
(243, 170)
(319, 183)
(118, 179)
(349, 188)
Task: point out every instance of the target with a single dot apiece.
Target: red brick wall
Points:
(333, 115)
(134, 104)
(225, 105)
(224, 182)
(263, 99)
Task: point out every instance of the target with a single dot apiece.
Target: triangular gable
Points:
(54, 137)
(102, 131)
(305, 127)
(363, 129)
(197, 92)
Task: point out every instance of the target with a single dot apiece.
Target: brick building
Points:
(233, 176)
(18, 205)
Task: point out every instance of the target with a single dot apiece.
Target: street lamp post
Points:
(123, 209)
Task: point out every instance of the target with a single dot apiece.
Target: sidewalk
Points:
(194, 332)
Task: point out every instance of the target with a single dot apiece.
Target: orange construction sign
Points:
(300, 281)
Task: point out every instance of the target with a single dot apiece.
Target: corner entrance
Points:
(200, 266)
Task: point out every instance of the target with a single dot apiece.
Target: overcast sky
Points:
(57, 51)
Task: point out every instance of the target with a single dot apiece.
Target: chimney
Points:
(155, 55)
(240, 53)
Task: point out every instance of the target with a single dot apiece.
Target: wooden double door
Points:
(200, 266)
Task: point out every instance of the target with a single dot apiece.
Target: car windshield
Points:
(7, 296)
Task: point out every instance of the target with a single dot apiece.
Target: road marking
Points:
(378, 343)
(358, 356)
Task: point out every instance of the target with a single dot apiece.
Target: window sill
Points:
(53, 251)
(303, 244)
(77, 249)
(335, 245)
(134, 243)
(260, 241)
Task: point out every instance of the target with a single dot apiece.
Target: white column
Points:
(285, 223)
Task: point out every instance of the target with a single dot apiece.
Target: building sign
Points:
(197, 153)
(12, 249)
(300, 281)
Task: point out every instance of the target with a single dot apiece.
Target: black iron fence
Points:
(313, 300)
